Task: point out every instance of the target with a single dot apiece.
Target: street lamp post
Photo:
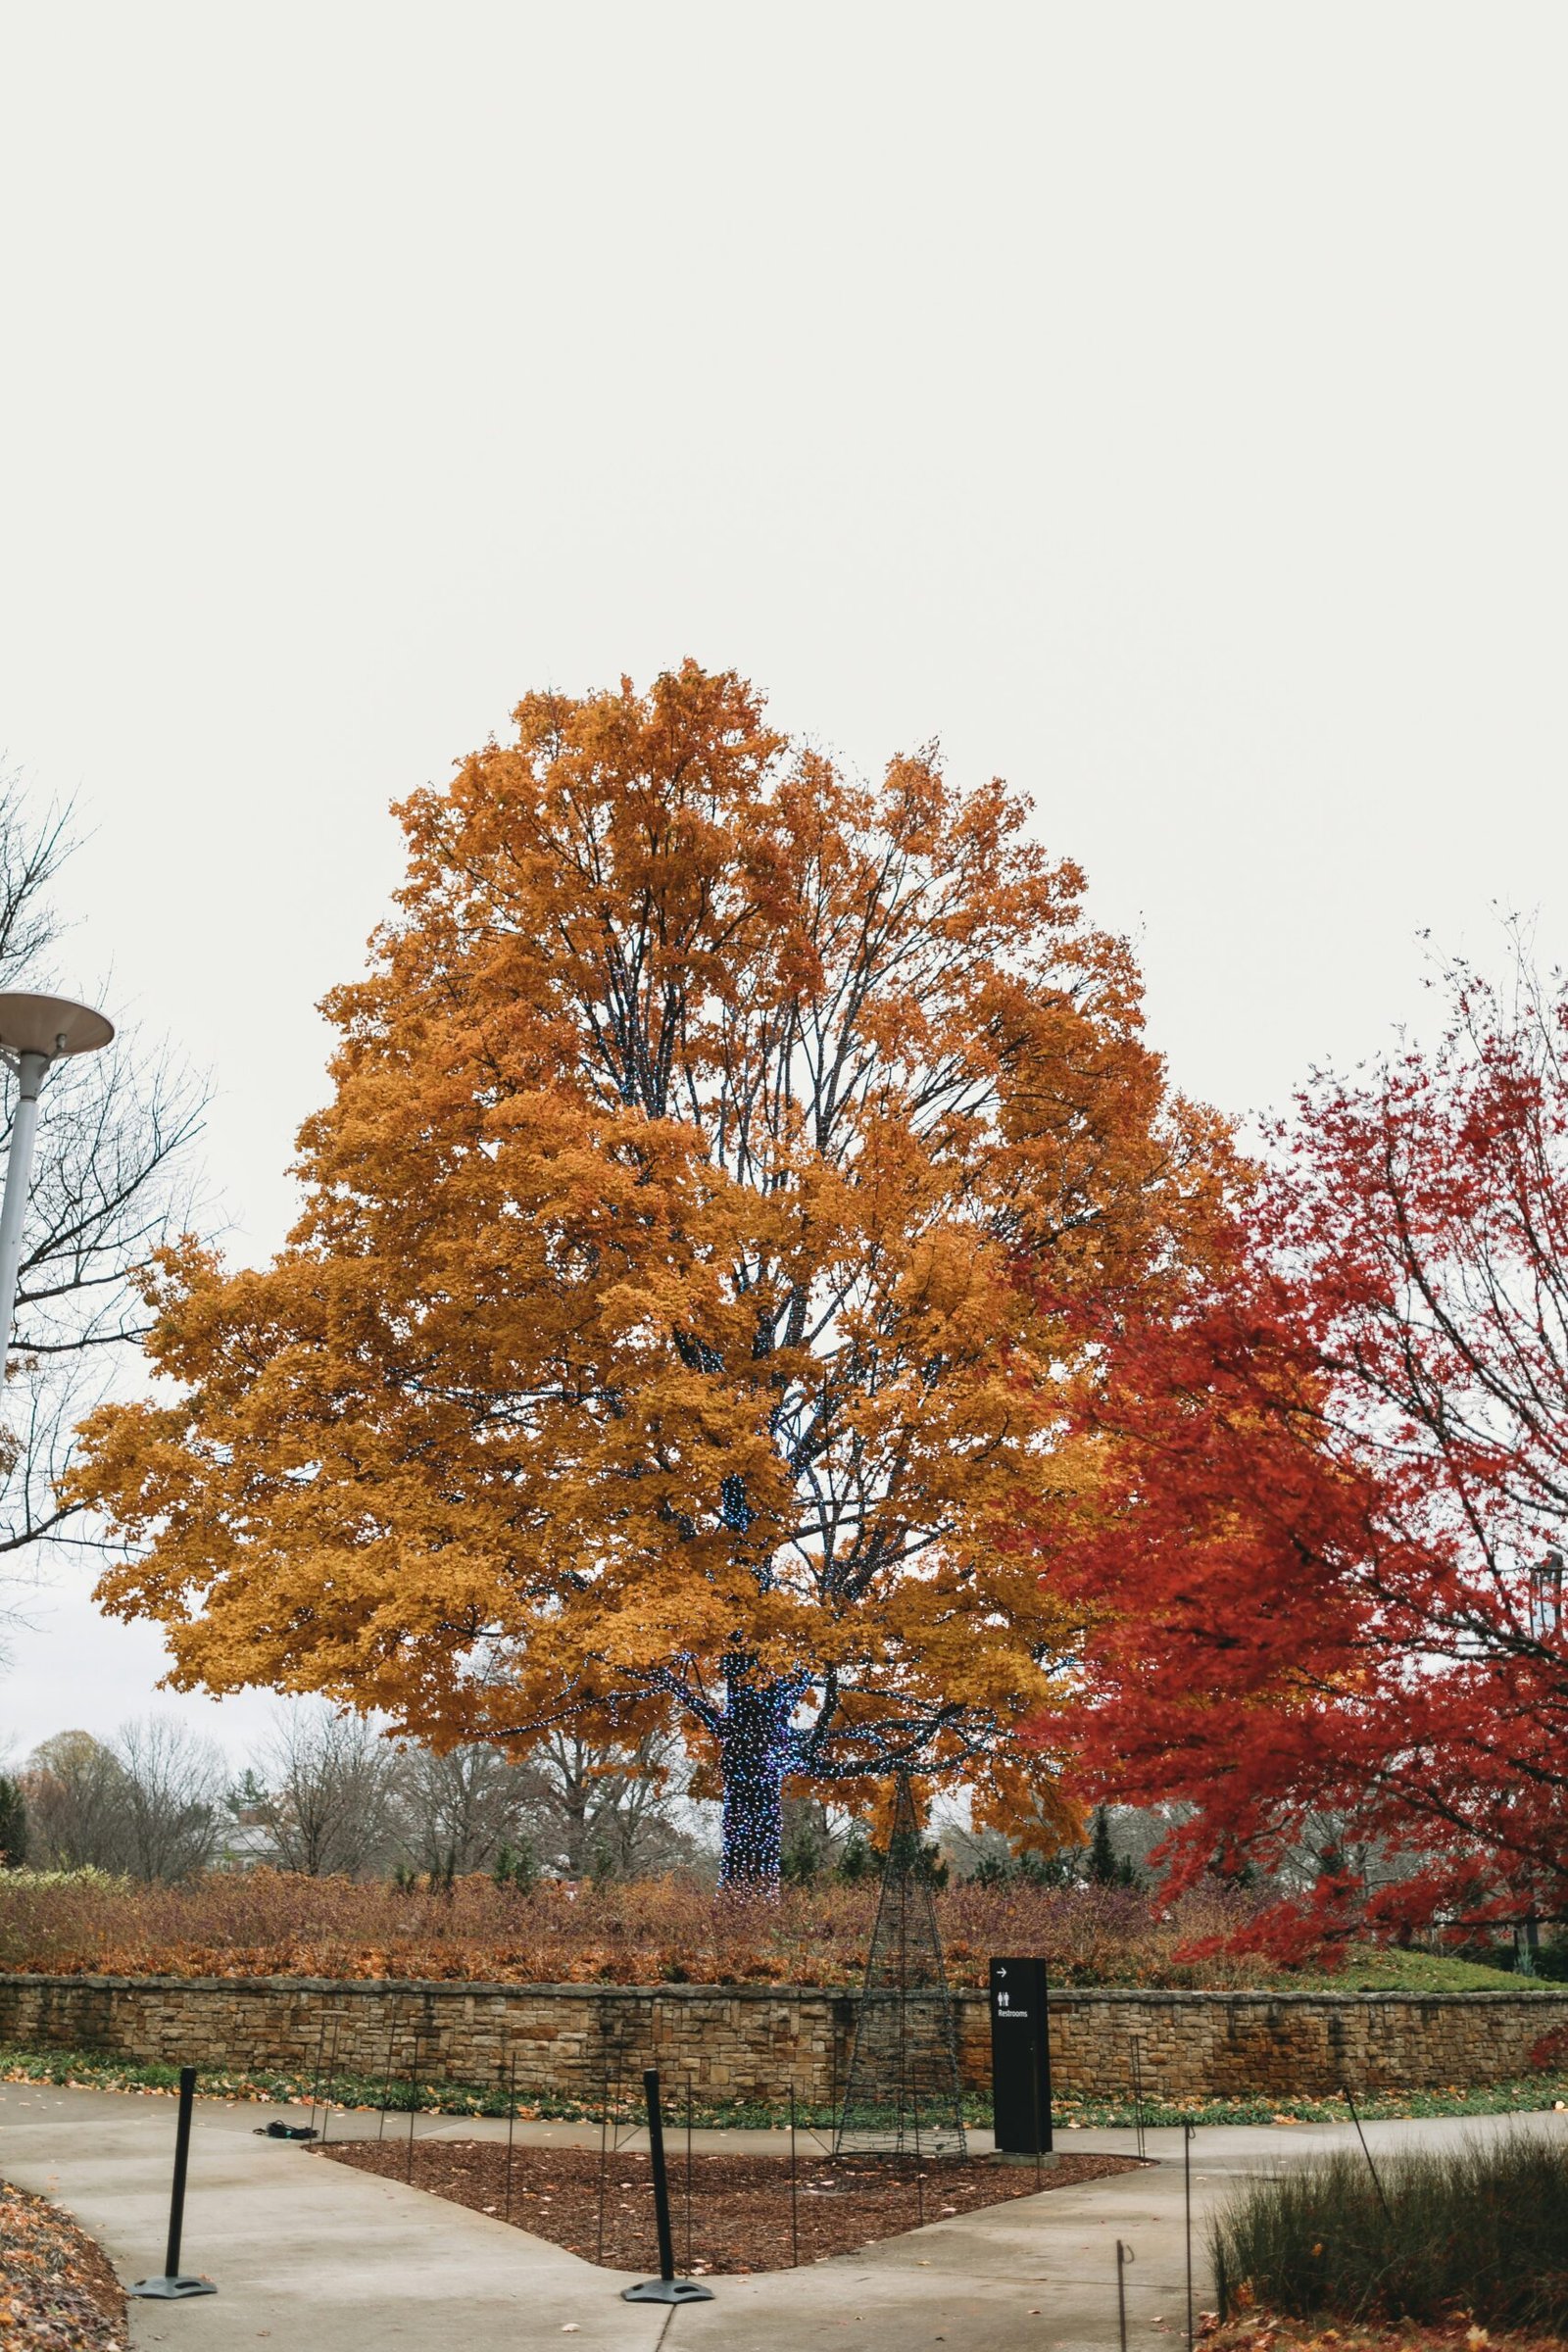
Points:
(35, 1031)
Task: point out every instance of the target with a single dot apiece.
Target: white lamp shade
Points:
(51, 1025)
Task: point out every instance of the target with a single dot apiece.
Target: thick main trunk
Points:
(753, 1755)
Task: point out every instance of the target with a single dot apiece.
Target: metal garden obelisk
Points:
(902, 2095)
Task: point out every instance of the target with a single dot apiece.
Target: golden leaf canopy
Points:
(724, 1157)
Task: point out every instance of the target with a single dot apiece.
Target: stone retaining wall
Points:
(757, 2042)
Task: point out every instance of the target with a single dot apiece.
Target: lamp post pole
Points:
(30, 1068)
(35, 1031)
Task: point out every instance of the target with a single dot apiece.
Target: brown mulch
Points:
(57, 2290)
(1266, 2331)
(740, 2205)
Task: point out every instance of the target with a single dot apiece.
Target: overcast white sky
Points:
(1165, 406)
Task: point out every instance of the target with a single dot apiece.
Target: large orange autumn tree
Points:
(653, 1340)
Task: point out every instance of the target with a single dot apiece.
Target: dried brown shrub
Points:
(671, 1929)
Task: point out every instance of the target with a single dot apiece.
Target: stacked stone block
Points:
(756, 2042)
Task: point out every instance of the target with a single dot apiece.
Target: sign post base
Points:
(171, 2290)
(667, 2290)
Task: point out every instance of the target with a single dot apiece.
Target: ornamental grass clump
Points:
(1478, 2230)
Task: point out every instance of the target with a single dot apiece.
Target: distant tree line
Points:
(330, 1794)
(821, 1842)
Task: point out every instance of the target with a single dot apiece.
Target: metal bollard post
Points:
(413, 2106)
(386, 2085)
(315, 2078)
(1367, 2153)
(512, 2127)
(688, 2172)
(604, 2153)
(173, 2287)
(667, 2288)
(795, 2200)
(328, 2079)
(1187, 2198)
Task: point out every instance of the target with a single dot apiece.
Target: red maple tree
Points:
(1326, 1570)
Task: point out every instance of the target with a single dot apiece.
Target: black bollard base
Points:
(171, 2290)
(667, 2290)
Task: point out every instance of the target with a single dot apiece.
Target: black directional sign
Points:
(1021, 2058)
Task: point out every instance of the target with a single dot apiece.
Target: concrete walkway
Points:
(310, 2254)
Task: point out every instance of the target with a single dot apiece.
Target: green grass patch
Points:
(1482, 2229)
(83, 2069)
(86, 2070)
(1526, 2094)
(1384, 1968)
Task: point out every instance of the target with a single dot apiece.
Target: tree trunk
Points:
(576, 1788)
(753, 1751)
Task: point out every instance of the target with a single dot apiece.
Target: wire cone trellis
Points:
(902, 2096)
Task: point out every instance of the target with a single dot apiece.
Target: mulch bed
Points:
(1266, 2331)
(740, 2205)
(57, 2290)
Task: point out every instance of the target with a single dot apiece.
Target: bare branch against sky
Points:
(114, 1176)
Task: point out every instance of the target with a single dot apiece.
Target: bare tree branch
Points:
(113, 1181)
